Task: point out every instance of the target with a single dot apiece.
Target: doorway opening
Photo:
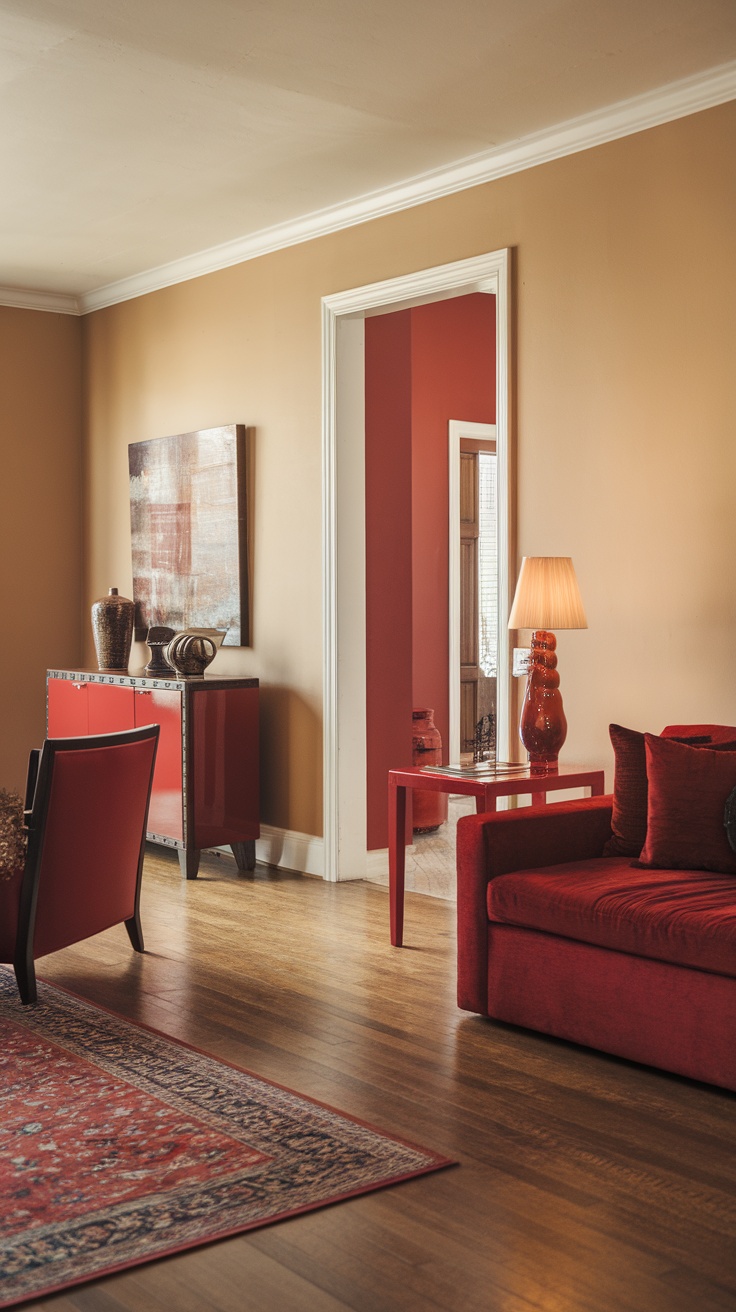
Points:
(344, 520)
(479, 564)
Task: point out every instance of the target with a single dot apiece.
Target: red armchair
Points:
(86, 814)
(556, 937)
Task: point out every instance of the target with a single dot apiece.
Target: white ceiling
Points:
(138, 133)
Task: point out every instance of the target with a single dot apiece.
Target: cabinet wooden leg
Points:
(245, 854)
(189, 862)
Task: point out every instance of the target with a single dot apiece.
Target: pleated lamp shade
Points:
(547, 595)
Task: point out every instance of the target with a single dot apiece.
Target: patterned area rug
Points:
(119, 1146)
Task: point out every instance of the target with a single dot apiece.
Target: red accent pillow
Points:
(688, 789)
(629, 817)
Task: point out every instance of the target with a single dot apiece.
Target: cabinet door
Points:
(224, 765)
(68, 714)
(110, 708)
(163, 707)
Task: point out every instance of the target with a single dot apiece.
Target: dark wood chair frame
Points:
(37, 798)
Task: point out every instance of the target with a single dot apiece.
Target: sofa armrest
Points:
(495, 844)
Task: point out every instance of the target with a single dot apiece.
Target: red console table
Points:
(206, 783)
(485, 789)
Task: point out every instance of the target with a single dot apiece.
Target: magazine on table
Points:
(479, 769)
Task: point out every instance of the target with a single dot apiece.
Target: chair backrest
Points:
(86, 836)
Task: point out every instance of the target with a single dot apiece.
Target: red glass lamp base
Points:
(543, 727)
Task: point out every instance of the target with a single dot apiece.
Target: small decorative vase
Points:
(429, 809)
(191, 653)
(112, 628)
(157, 640)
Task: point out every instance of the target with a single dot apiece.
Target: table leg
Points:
(485, 801)
(396, 859)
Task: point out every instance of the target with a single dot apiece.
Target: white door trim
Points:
(343, 503)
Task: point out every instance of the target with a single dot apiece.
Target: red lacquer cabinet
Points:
(206, 782)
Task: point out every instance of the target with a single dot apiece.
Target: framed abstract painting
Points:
(189, 532)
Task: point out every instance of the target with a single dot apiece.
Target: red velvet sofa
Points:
(555, 936)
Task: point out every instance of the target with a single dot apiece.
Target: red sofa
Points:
(557, 937)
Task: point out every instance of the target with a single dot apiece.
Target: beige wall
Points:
(40, 521)
(624, 294)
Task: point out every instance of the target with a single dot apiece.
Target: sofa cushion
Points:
(630, 789)
(630, 785)
(688, 790)
(684, 917)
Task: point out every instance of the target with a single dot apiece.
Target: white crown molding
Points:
(676, 100)
(16, 298)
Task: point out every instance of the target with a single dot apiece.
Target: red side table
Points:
(485, 789)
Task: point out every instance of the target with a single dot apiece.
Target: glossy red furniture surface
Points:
(206, 783)
(543, 726)
(86, 806)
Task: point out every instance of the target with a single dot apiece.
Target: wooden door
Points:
(477, 687)
(469, 669)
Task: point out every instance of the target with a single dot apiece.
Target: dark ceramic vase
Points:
(158, 639)
(190, 653)
(112, 628)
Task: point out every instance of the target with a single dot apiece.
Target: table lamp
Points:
(547, 597)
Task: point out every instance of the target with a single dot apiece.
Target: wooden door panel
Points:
(473, 683)
(468, 714)
(468, 494)
(468, 604)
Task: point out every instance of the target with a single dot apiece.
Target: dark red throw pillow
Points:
(688, 788)
(629, 817)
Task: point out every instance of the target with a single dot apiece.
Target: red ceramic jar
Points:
(429, 809)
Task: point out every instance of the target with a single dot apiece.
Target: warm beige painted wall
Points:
(40, 521)
(625, 295)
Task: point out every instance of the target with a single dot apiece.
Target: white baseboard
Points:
(287, 850)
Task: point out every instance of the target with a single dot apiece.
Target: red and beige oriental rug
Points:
(119, 1146)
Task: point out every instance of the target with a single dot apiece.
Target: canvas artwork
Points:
(189, 532)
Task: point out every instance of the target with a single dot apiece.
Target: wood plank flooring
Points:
(586, 1184)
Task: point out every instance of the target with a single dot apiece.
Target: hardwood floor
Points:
(585, 1184)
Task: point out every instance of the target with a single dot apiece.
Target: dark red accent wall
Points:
(424, 367)
(453, 377)
(388, 558)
